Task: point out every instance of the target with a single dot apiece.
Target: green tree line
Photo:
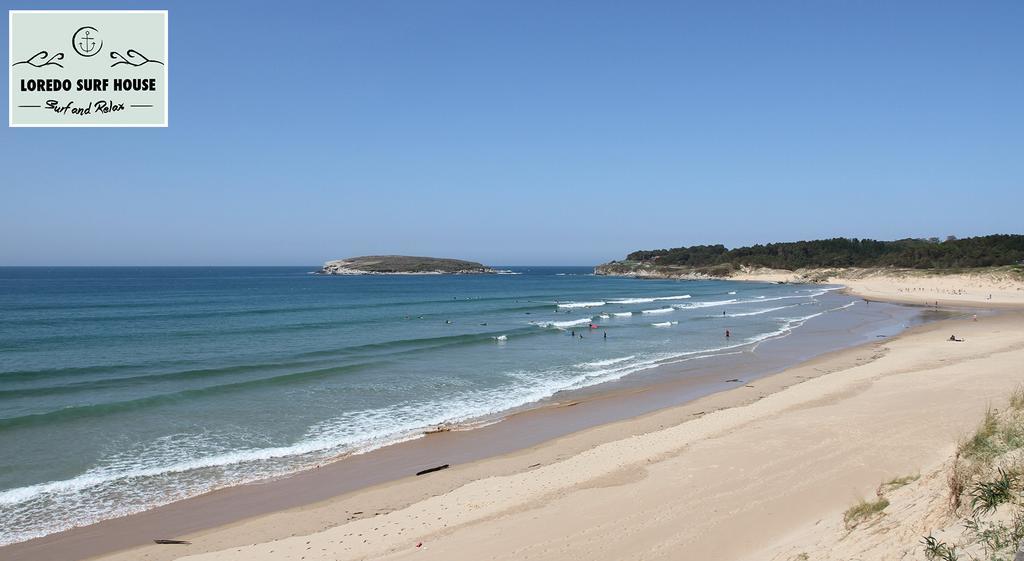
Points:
(981, 251)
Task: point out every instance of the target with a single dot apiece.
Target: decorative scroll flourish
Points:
(41, 59)
(135, 58)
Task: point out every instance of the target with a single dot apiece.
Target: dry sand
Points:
(992, 288)
(754, 473)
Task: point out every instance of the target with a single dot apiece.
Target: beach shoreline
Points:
(402, 493)
(998, 288)
(658, 387)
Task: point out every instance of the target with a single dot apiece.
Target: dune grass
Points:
(863, 511)
(897, 482)
(987, 475)
(983, 446)
(1017, 398)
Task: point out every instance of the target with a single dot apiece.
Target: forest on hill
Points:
(932, 253)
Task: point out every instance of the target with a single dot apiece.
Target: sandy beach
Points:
(767, 467)
(986, 289)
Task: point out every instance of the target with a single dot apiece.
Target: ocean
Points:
(122, 389)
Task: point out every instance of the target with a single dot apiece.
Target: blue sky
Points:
(535, 133)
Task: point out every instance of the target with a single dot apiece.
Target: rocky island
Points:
(403, 265)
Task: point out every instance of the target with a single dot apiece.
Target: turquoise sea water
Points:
(125, 388)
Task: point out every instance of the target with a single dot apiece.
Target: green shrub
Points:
(987, 496)
(934, 550)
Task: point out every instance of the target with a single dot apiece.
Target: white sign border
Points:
(10, 69)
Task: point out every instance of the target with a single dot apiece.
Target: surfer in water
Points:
(727, 334)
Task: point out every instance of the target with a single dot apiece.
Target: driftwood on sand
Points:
(432, 470)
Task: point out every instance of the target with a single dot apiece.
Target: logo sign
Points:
(98, 68)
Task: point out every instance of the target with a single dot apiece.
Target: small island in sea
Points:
(403, 265)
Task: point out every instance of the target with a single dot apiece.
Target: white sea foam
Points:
(622, 314)
(755, 313)
(761, 299)
(501, 338)
(732, 292)
(564, 324)
(792, 323)
(581, 304)
(648, 300)
(708, 304)
(606, 362)
(172, 481)
(658, 311)
(632, 301)
(604, 316)
(665, 324)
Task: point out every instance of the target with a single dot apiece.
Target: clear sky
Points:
(546, 132)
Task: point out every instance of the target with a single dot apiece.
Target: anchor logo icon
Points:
(88, 43)
(85, 41)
